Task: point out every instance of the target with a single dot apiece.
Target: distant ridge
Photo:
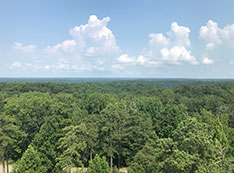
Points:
(81, 80)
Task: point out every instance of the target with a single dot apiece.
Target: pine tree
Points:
(30, 162)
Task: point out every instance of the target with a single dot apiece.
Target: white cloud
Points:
(141, 59)
(25, 49)
(179, 35)
(15, 65)
(95, 37)
(159, 40)
(125, 59)
(207, 61)
(65, 46)
(177, 54)
(172, 49)
(93, 46)
(214, 36)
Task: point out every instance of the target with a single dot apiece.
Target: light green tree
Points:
(77, 140)
(98, 165)
(30, 163)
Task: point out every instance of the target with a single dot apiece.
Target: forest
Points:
(145, 126)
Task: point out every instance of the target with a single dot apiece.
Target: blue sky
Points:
(117, 38)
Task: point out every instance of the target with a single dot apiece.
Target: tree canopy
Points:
(144, 125)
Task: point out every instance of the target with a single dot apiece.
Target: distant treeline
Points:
(145, 125)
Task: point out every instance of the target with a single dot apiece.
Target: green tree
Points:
(195, 138)
(9, 133)
(76, 141)
(136, 168)
(94, 103)
(152, 106)
(98, 165)
(90, 134)
(169, 118)
(112, 122)
(123, 130)
(162, 156)
(67, 106)
(30, 162)
(3, 97)
(46, 142)
(192, 149)
(30, 111)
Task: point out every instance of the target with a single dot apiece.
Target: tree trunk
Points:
(111, 162)
(119, 150)
(118, 161)
(3, 165)
(7, 166)
(111, 159)
(91, 155)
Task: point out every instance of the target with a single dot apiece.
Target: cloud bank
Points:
(172, 49)
(92, 49)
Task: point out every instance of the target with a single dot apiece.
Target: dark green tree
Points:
(94, 103)
(46, 142)
(169, 118)
(30, 111)
(9, 133)
(123, 130)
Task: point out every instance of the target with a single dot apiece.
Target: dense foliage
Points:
(146, 125)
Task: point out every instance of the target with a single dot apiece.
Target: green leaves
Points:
(46, 142)
(76, 141)
(184, 129)
(98, 165)
(30, 163)
(9, 134)
(29, 110)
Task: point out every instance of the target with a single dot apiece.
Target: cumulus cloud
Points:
(125, 59)
(65, 46)
(92, 47)
(213, 35)
(95, 36)
(207, 61)
(25, 49)
(170, 49)
(177, 54)
(158, 40)
(141, 59)
(179, 35)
